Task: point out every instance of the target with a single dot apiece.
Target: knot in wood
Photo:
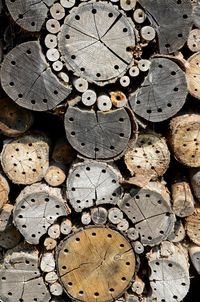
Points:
(104, 273)
(95, 42)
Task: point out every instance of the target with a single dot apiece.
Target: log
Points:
(53, 26)
(148, 33)
(10, 237)
(50, 244)
(89, 97)
(184, 139)
(132, 234)
(55, 175)
(109, 272)
(63, 153)
(34, 86)
(195, 181)
(25, 159)
(104, 103)
(172, 28)
(51, 277)
(4, 190)
(118, 99)
(86, 218)
(30, 15)
(109, 132)
(57, 11)
(138, 247)
(192, 75)
(47, 263)
(54, 231)
(14, 120)
(169, 277)
(20, 277)
(123, 225)
(66, 226)
(128, 5)
(149, 158)
(5, 216)
(51, 41)
(194, 253)
(155, 100)
(83, 40)
(178, 234)
(139, 15)
(196, 13)
(37, 207)
(138, 286)
(182, 198)
(80, 84)
(192, 226)
(150, 211)
(99, 215)
(92, 176)
(115, 215)
(193, 41)
(56, 289)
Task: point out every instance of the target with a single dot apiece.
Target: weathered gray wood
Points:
(97, 32)
(148, 158)
(51, 277)
(4, 190)
(194, 253)
(150, 211)
(86, 218)
(89, 97)
(54, 231)
(93, 183)
(99, 215)
(195, 181)
(25, 160)
(192, 226)
(104, 102)
(163, 92)
(30, 15)
(138, 247)
(178, 234)
(14, 120)
(138, 286)
(28, 80)
(118, 99)
(56, 289)
(193, 41)
(169, 277)
(123, 225)
(37, 208)
(98, 135)
(182, 198)
(132, 233)
(5, 216)
(47, 263)
(172, 21)
(115, 215)
(196, 13)
(20, 277)
(185, 139)
(66, 226)
(55, 175)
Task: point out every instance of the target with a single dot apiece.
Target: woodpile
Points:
(100, 150)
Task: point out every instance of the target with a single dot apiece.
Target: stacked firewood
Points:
(100, 150)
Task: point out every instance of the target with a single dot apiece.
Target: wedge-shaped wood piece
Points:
(37, 208)
(31, 14)
(14, 120)
(27, 78)
(193, 226)
(25, 160)
(169, 279)
(163, 92)
(20, 277)
(150, 211)
(172, 27)
(93, 183)
(149, 157)
(100, 135)
(185, 139)
(103, 273)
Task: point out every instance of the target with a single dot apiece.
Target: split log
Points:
(30, 15)
(63, 153)
(194, 40)
(194, 253)
(107, 279)
(148, 158)
(25, 160)
(55, 175)
(47, 263)
(20, 277)
(192, 226)
(50, 244)
(150, 211)
(182, 198)
(158, 100)
(14, 120)
(37, 208)
(169, 277)
(86, 184)
(5, 216)
(99, 215)
(82, 47)
(185, 139)
(192, 75)
(98, 135)
(4, 190)
(172, 28)
(195, 181)
(28, 80)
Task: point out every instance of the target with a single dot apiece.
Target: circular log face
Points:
(100, 275)
(193, 75)
(163, 92)
(93, 183)
(98, 135)
(94, 41)
(193, 226)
